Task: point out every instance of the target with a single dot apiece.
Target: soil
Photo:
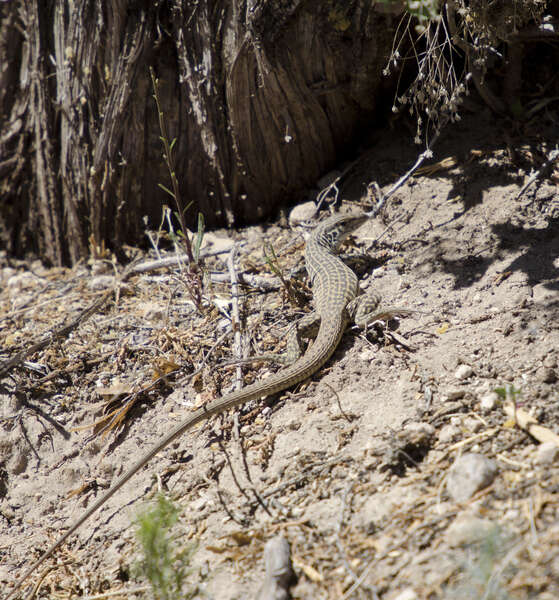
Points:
(351, 467)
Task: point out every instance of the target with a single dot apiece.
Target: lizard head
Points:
(332, 232)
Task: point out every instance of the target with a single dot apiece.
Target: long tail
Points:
(323, 347)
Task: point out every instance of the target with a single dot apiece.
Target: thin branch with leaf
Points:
(181, 238)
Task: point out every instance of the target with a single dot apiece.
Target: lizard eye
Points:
(337, 237)
(341, 234)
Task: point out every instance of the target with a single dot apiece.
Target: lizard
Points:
(337, 301)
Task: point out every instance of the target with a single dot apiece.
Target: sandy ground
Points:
(351, 467)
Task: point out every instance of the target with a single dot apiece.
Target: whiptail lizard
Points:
(337, 301)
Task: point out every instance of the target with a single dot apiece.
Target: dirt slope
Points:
(352, 467)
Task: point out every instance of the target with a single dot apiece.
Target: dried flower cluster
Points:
(470, 29)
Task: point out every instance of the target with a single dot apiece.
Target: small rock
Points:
(489, 401)
(22, 281)
(469, 474)
(455, 394)
(417, 432)
(546, 375)
(407, 594)
(279, 570)
(473, 425)
(448, 433)
(468, 529)
(550, 360)
(6, 273)
(463, 372)
(7, 511)
(546, 453)
(302, 212)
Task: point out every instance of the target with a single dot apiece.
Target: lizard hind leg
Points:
(304, 328)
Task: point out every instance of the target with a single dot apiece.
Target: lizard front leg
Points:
(305, 328)
(365, 309)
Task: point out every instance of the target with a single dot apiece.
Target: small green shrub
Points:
(165, 562)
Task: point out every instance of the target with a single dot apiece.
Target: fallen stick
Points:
(528, 423)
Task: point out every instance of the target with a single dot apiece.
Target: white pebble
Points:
(468, 529)
(407, 594)
(546, 453)
(489, 401)
(448, 433)
(463, 372)
(469, 474)
(302, 212)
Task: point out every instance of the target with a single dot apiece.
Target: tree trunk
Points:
(260, 95)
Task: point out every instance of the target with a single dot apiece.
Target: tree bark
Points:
(261, 96)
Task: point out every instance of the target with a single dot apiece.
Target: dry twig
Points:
(528, 423)
(551, 158)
